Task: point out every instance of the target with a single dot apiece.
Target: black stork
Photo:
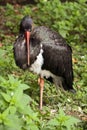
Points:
(46, 53)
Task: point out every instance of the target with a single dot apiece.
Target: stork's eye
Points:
(28, 29)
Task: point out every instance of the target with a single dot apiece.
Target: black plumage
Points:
(57, 54)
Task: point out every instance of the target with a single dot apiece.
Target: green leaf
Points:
(53, 122)
(6, 97)
(13, 123)
(24, 86)
(12, 109)
(71, 122)
(33, 127)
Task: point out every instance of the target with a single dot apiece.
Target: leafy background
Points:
(19, 95)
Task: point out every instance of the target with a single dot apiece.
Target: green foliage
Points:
(15, 111)
(14, 107)
(62, 122)
(67, 18)
(14, 16)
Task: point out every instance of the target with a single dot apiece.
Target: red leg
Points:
(41, 83)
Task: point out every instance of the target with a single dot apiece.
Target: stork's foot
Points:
(72, 91)
(41, 84)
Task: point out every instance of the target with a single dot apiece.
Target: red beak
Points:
(27, 36)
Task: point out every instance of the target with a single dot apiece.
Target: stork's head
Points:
(26, 28)
(26, 24)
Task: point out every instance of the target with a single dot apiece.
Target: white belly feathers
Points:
(36, 67)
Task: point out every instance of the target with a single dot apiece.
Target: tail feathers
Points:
(60, 82)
